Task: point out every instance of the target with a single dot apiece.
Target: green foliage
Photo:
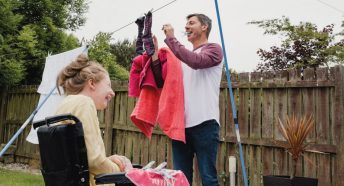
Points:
(30, 29)
(304, 45)
(8, 19)
(100, 51)
(27, 40)
(124, 52)
(63, 14)
(76, 11)
(69, 42)
(11, 72)
(117, 72)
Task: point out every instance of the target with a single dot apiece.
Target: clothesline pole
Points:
(28, 120)
(232, 97)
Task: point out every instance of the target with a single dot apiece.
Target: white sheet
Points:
(53, 65)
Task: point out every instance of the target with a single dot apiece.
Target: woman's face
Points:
(103, 93)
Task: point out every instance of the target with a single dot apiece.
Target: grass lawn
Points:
(15, 178)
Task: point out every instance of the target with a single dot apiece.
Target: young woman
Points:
(88, 88)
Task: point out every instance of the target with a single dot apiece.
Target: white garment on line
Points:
(53, 65)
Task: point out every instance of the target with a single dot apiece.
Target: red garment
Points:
(141, 74)
(163, 177)
(164, 106)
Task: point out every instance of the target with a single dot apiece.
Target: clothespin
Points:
(149, 165)
(166, 174)
(159, 167)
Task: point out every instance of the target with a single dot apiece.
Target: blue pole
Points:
(231, 96)
(28, 120)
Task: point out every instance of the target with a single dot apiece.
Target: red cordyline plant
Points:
(295, 131)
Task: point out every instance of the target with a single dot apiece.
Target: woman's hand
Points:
(156, 48)
(123, 162)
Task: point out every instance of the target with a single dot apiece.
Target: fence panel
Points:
(260, 99)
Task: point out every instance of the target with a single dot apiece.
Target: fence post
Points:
(339, 123)
(108, 130)
(3, 102)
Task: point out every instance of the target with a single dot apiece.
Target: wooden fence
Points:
(260, 100)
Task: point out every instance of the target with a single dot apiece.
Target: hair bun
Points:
(74, 76)
(82, 59)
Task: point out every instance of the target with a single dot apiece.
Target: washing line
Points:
(167, 4)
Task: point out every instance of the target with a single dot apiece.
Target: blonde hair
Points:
(74, 77)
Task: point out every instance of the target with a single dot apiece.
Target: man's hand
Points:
(168, 30)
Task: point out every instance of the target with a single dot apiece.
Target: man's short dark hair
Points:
(205, 20)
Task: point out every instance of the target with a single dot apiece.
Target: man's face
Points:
(194, 29)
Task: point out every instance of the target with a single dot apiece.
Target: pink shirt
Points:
(141, 73)
(209, 56)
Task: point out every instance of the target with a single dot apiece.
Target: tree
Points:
(124, 52)
(11, 70)
(303, 45)
(100, 51)
(49, 19)
(30, 29)
(60, 13)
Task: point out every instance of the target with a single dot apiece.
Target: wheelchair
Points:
(64, 155)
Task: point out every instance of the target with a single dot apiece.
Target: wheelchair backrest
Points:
(63, 151)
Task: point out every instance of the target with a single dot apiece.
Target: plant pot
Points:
(286, 181)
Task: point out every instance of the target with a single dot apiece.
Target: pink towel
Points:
(165, 106)
(142, 75)
(162, 177)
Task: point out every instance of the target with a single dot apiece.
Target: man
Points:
(202, 69)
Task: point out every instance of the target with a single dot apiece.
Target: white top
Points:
(201, 93)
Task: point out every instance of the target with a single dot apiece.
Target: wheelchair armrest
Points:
(55, 119)
(138, 166)
(108, 178)
(118, 178)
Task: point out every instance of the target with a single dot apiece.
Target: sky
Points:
(241, 40)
